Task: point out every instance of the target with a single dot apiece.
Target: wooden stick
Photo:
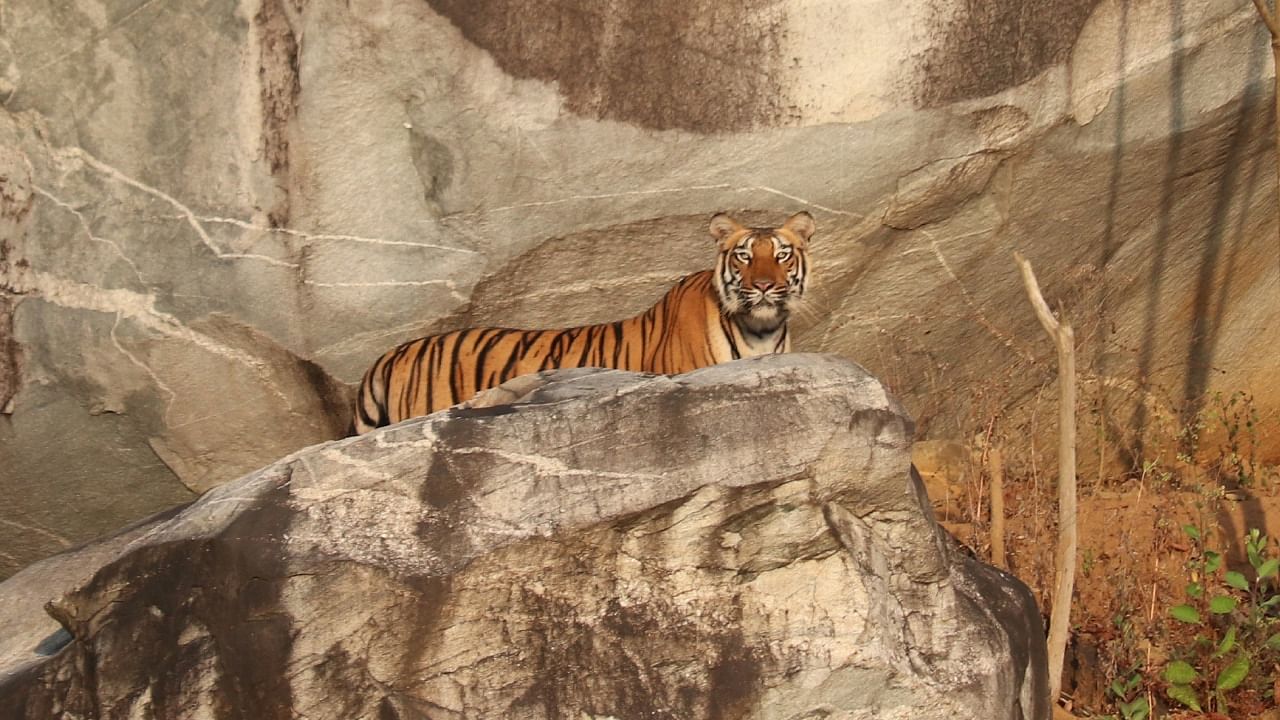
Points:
(1065, 567)
(997, 508)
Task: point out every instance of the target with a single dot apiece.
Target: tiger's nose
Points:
(763, 285)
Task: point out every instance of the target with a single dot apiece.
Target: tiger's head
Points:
(761, 272)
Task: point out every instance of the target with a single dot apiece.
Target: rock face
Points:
(745, 541)
(213, 216)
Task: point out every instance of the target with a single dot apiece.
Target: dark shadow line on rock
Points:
(1110, 243)
(1164, 222)
(1210, 302)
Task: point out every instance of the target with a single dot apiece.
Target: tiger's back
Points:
(689, 328)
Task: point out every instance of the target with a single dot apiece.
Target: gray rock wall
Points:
(214, 216)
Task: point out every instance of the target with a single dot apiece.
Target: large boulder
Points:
(745, 541)
(214, 216)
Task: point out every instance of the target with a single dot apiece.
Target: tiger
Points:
(737, 310)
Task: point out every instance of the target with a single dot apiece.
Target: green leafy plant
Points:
(1129, 698)
(1232, 622)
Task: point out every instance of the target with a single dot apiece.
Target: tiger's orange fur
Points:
(739, 309)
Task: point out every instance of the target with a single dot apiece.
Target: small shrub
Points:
(1237, 419)
(1129, 698)
(1229, 625)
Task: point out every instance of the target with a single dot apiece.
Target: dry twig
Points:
(1064, 582)
(995, 462)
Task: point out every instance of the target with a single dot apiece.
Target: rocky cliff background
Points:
(213, 216)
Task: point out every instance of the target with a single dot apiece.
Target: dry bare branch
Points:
(995, 462)
(1064, 584)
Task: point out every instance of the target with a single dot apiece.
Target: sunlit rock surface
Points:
(213, 217)
(744, 541)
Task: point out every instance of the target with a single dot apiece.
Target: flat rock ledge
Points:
(744, 541)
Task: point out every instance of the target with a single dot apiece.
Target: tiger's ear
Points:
(801, 224)
(722, 226)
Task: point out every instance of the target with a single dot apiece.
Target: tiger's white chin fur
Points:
(764, 318)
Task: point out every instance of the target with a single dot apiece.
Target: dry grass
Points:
(1201, 468)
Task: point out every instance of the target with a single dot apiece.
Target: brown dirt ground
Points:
(1131, 564)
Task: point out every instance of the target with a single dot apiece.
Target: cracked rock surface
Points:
(214, 216)
(744, 541)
